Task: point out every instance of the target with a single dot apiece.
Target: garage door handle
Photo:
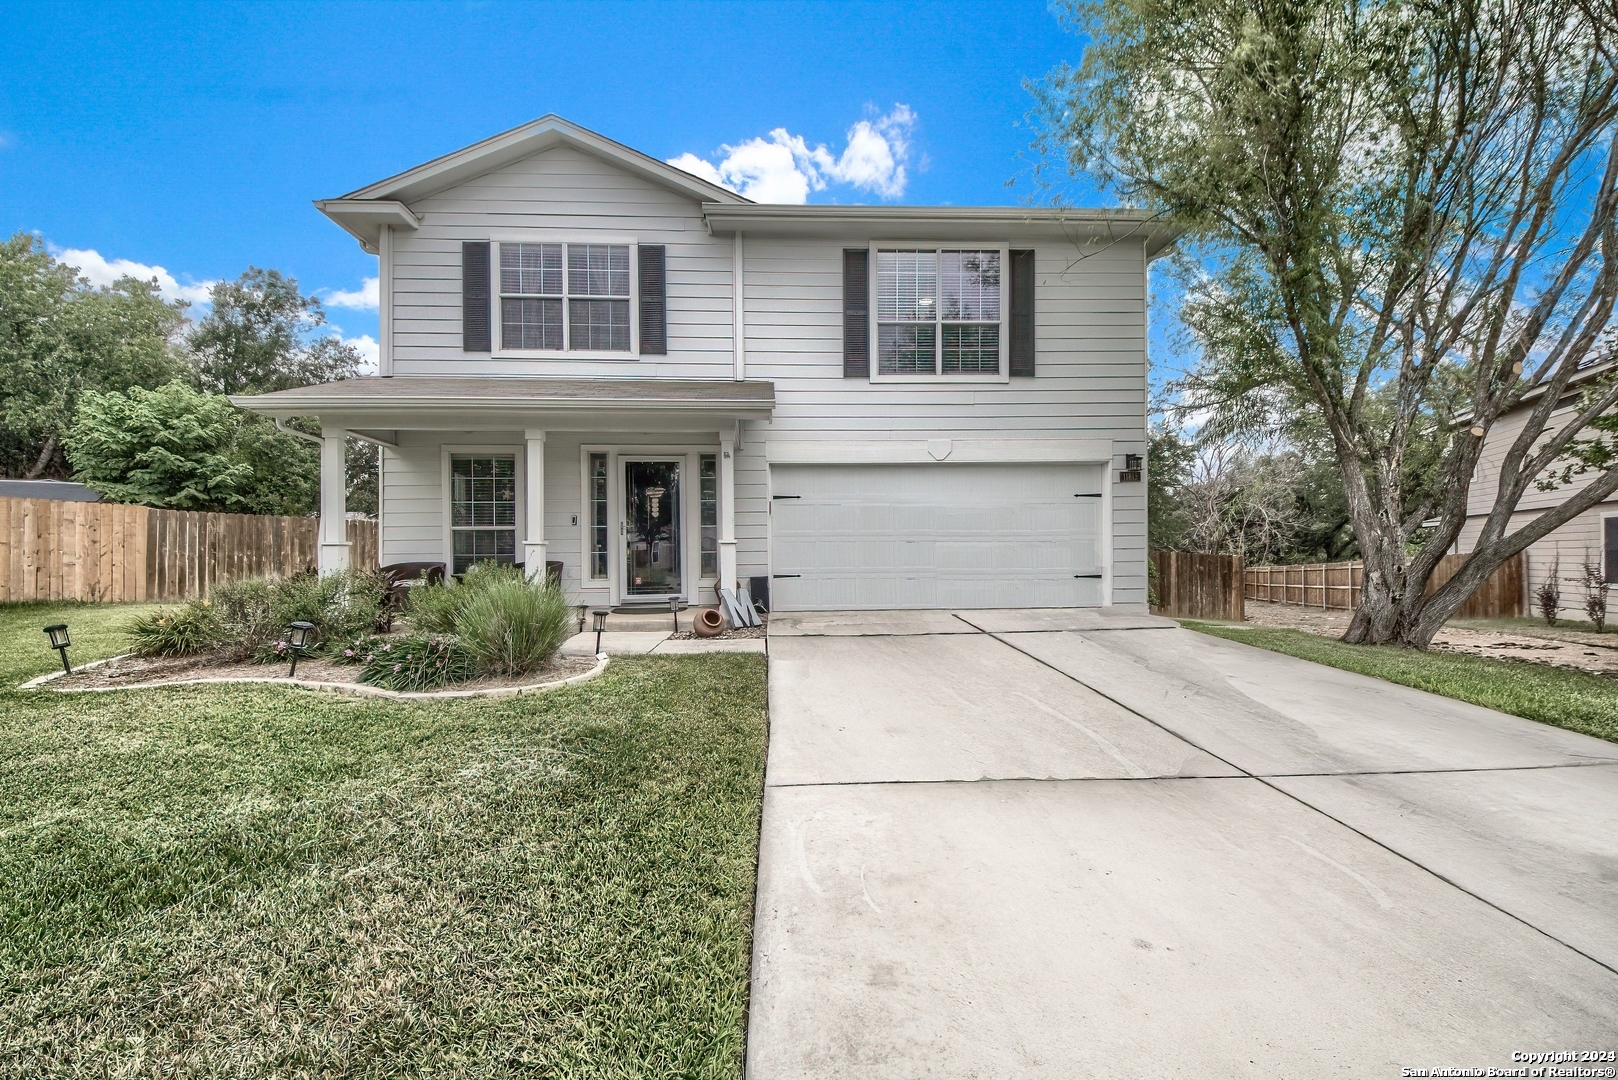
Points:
(780, 576)
(786, 496)
(1095, 576)
(1087, 495)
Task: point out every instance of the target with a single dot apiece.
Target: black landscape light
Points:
(60, 641)
(674, 609)
(297, 641)
(599, 616)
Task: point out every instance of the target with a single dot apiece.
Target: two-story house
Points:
(589, 357)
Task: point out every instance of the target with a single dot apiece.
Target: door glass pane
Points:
(598, 515)
(652, 536)
(708, 482)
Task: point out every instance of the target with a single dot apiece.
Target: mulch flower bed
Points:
(136, 671)
(729, 632)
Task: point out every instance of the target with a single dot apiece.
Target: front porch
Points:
(629, 484)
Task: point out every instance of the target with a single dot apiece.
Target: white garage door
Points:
(935, 536)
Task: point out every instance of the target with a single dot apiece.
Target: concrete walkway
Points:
(1068, 843)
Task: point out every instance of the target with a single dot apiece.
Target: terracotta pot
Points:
(708, 622)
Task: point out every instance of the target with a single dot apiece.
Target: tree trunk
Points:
(45, 455)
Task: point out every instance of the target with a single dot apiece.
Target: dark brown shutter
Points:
(476, 324)
(856, 313)
(654, 333)
(1022, 313)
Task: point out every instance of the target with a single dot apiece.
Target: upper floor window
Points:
(938, 312)
(565, 297)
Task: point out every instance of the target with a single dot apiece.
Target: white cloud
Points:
(784, 168)
(366, 298)
(103, 271)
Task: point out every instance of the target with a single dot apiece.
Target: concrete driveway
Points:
(1069, 843)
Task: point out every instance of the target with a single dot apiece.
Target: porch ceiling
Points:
(457, 403)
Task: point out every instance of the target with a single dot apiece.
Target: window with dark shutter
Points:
(654, 339)
(476, 321)
(856, 313)
(1022, 313)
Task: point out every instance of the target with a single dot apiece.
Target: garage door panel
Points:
(966, 536)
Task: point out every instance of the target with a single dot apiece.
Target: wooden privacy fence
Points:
(1337, 586)
(108, 552)
(1198, 586)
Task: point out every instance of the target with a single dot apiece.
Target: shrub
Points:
(1595, 586)
(433, 608)
(415, 662)
(182, 631)
(341, 605)
(513, 627)
(247, 616)
(1549, 595)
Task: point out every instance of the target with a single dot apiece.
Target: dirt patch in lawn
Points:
(139, 671)
(1579, 650)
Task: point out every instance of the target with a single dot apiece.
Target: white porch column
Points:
(333, 504)
(534, 545)
(727, 509)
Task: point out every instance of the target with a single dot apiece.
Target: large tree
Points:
(1411, 211)
(59, 337)
(262, 334)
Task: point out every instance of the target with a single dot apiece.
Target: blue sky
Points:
(193, 137)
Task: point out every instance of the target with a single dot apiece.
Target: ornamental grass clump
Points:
(513, 627)
(414, 662)
(433, 608)
(182, 631)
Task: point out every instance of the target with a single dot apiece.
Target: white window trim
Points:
(693, 583)
(937, 378)
(517, 450)
(547, 236)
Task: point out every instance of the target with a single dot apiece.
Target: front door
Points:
(652, 529)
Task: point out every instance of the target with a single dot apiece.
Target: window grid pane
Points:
(971, 285)
(530, 324)
(906, 286)
(598, 515)
(971, 348)
(483, 509)
(708, 498)
(907, 349)
(598, 325)
(598, 270)
(531, 269)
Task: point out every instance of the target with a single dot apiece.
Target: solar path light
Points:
(297, 642)
(599, 616)
(674, 609)
(60, 641)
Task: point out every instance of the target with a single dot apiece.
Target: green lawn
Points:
(1575, 700)
(255, 881)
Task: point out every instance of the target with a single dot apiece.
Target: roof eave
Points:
(363, 218)
(944, 222)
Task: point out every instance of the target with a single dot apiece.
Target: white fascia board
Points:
(531, 138)
(363, 218)
(931, 222)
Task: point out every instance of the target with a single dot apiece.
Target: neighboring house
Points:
(60, 490)
(910, 407)
(1590, 537)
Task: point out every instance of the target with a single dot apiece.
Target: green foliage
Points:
(1169, 460)
(263, 334)
(415, 662)
(60, 337)
(248, 619)
(514, 627)
(434, 608)
(179, 449)
(183, 631)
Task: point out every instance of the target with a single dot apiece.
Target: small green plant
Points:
(513, 627)
(415, 662)
(180, 631)
(1595, 586)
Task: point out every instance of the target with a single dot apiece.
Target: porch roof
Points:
(403, 402)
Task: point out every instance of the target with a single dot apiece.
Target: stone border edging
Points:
(356, 689)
